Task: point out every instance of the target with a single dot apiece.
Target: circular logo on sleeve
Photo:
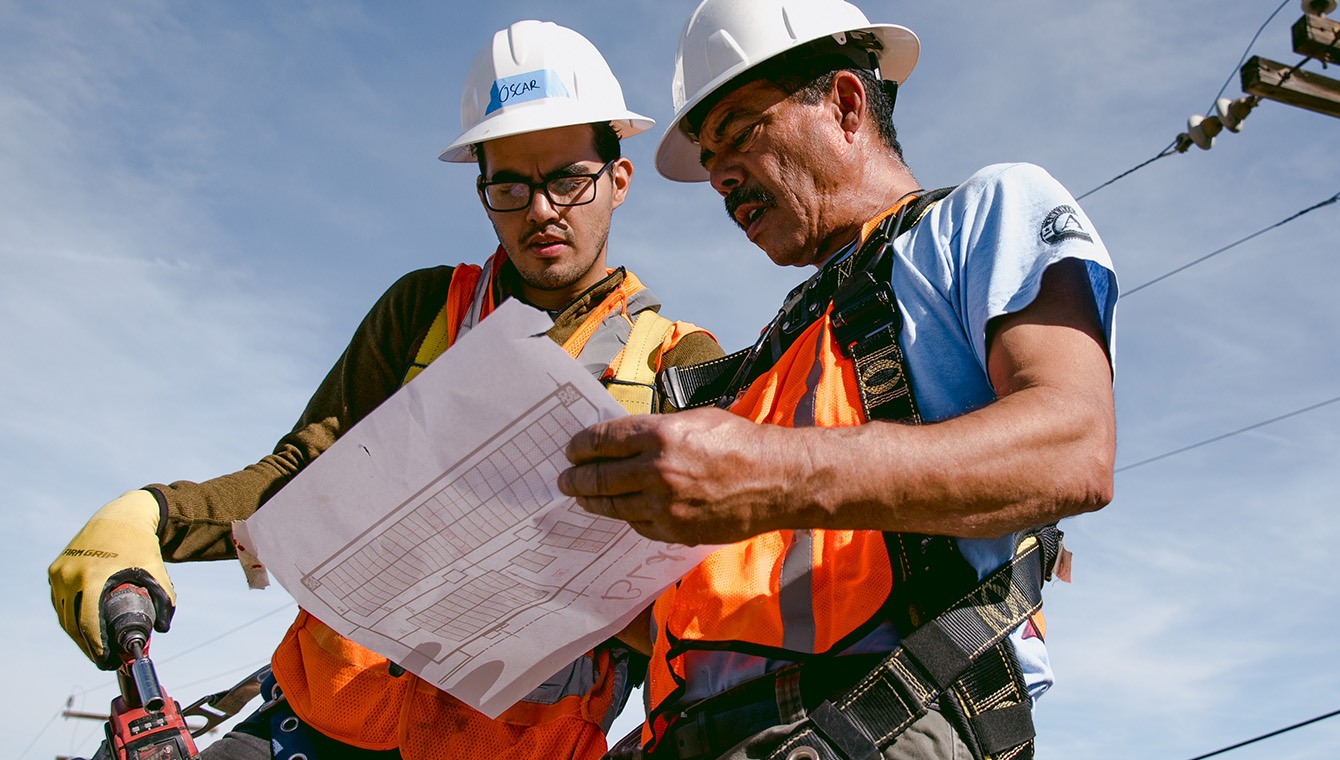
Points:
(1063, 224)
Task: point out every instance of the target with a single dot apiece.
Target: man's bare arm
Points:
(1042, 451)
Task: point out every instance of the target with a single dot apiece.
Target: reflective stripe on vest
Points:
(784, 594)
(348, 693)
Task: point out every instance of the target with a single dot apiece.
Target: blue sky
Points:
(200, 201)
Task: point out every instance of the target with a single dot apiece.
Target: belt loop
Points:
(790, 704)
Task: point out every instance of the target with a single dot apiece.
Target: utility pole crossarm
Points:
(1317, 37)
(1295, 87)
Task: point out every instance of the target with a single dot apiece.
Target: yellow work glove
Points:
(118, 545)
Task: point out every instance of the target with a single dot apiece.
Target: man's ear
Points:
(848, 97)
(621, 175)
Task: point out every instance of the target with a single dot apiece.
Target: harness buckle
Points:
(802, 306)
(651, 399)
(862, 307)
(671, 389)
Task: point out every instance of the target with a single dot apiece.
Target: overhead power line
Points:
(1217, 438)
(1331, 714)
(1168, 151)
(1280, 223)
(1247, 52)
(32, 743)
(1172, 148)
(249, 667)
(230, 632)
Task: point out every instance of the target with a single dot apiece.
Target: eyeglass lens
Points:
(572, 190)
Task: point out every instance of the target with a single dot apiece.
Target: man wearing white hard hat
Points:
(542, 116)
(887, 463)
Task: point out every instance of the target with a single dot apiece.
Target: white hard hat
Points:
(723, 38)
(538, 75)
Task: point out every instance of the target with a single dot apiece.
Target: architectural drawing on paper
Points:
(481, 551)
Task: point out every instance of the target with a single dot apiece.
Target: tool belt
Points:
(955, 651)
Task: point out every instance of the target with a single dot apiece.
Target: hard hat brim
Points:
(677, 155)
(556, 115)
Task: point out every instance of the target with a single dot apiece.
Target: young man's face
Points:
(558, 250)
(769, 157)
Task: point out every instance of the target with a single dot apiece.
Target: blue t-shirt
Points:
(979, 253)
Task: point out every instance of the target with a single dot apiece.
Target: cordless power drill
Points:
(145, 723)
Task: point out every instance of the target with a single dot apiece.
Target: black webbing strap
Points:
(866, 322)
(696, 385)
(933, 659)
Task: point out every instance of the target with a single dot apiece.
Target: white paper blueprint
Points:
(434, 534)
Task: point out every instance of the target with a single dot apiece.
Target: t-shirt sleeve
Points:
(1010, 223)
(197, 517)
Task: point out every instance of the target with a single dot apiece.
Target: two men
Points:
(543, 116)
(884, 457)
(939, 390)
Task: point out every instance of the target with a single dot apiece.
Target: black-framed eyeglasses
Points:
(563, 190)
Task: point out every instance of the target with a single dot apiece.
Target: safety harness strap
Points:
(634, 381)
(938, 656)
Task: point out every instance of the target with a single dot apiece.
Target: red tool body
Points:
(145, 723)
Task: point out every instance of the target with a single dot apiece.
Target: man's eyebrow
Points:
(505, 175)
(722, 126)
(566, 171)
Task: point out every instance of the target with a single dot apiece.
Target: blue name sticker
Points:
(532, 85)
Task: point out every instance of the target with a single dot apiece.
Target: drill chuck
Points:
(130, 619)
(129, 612)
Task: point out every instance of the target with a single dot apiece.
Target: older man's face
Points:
(772, 160)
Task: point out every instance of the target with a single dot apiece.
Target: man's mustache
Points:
(746, 194)
(547, 228)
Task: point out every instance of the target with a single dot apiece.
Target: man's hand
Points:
(118, 545)
(702, 476)
(1041, 452)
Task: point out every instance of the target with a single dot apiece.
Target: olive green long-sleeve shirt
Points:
(196, 518)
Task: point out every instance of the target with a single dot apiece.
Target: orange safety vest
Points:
(348, 693)
(786, 594)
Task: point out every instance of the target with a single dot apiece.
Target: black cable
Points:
(1245, 53)
(33, 743)
(1208, 441)
(253, 621)
(1168, 151)
(1267, 736)
(1280, 223)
